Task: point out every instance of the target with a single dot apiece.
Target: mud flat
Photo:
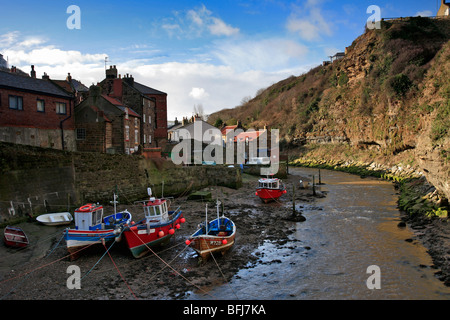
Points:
(171, 272)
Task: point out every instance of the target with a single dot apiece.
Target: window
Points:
(40, 105)
(143, 118)
(145, 139)
(136, 137)
(136, 122)
(81, 134)
(149, 119)
(149, 139)
(16, 102)
(61, 108)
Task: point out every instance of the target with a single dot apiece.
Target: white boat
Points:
(55, 219)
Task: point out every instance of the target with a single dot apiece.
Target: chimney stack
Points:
(69, 77)
(45, 76)
(33, 73)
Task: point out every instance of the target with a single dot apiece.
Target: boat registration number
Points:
(215, 243)
(145, 231)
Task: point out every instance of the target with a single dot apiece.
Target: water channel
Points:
(352, 228)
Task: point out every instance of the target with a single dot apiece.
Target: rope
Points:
(212, 255)
(150, 249)
(120, 273)
(56, 246)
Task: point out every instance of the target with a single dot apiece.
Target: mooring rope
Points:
(129, 288)
(187, 280)
(212, 255)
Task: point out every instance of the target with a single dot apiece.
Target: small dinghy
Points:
(15, 237)
(55, 219)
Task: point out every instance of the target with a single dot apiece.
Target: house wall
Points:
(32, 127)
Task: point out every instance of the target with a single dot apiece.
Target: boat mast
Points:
(206, 224)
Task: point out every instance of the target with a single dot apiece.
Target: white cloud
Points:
(426, 13)
(220, 28)
(309, 23)
(197, 22)
(198, 93)
(267, 54)
(244, 67)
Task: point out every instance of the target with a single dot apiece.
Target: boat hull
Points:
(207, 245)
(15, 237)
(55, 219)
(217, 240)
(140, 238)
(79, 239)
(268, 195)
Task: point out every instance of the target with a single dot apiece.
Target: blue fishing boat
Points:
(216, 236)
(92, 228)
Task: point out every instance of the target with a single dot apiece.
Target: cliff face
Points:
(387, 99)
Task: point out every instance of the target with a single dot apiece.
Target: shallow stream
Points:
(330, 254)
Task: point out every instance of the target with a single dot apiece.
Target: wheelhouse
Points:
(89, 217)
(156, 209)
(269, 184)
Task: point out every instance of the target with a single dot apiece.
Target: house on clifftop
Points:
(444, 10)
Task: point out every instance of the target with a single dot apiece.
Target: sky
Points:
(206, 55)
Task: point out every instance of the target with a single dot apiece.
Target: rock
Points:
(401, 224)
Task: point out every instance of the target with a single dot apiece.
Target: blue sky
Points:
(212, 53)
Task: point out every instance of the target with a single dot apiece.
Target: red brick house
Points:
(104, 124)
(35, 111)
(149, 103)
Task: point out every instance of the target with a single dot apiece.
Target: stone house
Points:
(149, 103)
(105, 124)
(35, 111)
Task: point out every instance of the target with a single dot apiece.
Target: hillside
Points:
(387, 101)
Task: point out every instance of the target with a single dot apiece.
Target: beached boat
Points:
(216, 236)
(156, 228)
(92, 228)
(270, 189)
(55, 219)
(15, 237)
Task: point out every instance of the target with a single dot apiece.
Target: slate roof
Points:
(23, 83)
(145, 90)
(120, 105)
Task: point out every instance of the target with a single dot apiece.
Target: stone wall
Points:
(36, 180)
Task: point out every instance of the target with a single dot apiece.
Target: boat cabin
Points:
(156, 210)
(269, 183)
(89, 217)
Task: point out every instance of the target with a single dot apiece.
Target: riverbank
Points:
(422, 208)
(34, 274)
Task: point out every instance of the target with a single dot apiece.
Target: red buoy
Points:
(182, 220)
(224, 241)
(188, 242)
(177, 226)
(161, 233)
(171, 231)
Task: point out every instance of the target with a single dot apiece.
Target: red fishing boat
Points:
(270, 189)
(156, 228)
(15, 237)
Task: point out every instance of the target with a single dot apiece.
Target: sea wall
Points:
(37, 180)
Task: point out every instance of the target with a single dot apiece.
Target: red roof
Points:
(251, 135)
(224, 129)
